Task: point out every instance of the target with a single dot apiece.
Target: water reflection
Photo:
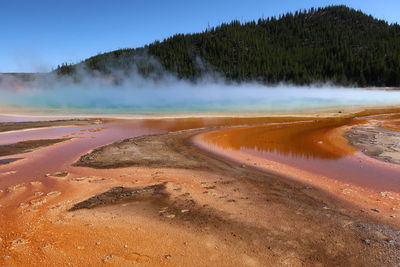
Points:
(313, 146)
(308, 140)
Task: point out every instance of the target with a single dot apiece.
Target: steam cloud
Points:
(137, 95)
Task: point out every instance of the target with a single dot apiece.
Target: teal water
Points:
(206, 98)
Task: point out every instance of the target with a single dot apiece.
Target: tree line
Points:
(334, 44)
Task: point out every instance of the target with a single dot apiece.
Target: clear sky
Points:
(36, 35)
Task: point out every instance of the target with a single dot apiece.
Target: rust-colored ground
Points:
(318, 153)
(242, 209)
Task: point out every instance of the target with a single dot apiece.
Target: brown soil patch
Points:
(9, 160)
(121, 194)
(28, 146)
(14, 126)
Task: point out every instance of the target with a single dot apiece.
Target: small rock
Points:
(58, 174)
(16, 187)
(167, 256)
(35, 183)
(90, 179)
(10, 172)
(125, 246)
(53, 193)
(170, 216)
(6, 257)
(38, 193)
(79, 179)
(347, 191)
(107, 258)
(384, 194)
(18, 241)
(98, 243)
(320, 142)
(375, 210)
(23, 205)
(37, 202)
(367, 241)
(184, 211)
(393, 216)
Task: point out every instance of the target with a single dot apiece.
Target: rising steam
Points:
(137, 95)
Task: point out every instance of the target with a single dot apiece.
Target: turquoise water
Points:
(191, 99)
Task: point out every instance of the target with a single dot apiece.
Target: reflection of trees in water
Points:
(271, 151)
(302, 140)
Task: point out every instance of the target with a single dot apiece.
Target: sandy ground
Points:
(172, 203)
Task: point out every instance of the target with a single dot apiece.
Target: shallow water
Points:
(61, 156)
(307, 143)
(311, 146)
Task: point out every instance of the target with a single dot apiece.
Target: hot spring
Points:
(173, 96)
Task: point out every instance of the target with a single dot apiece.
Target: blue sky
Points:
(36, 35)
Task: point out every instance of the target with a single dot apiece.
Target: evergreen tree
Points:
(335, 44)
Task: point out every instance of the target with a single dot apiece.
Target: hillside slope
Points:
(333, 44)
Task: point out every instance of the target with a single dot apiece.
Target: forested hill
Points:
(335, 44)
